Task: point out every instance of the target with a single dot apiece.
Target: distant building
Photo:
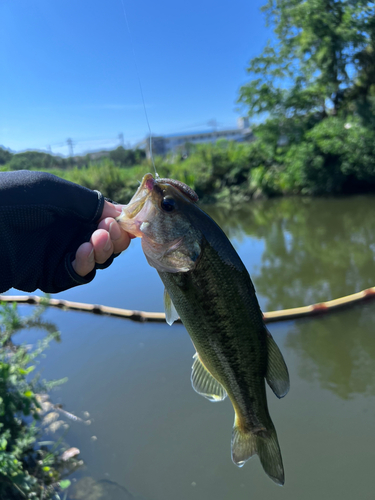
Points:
(173, 143)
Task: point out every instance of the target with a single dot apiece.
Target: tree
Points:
(321, 62)
(5, 156)
(127, 157)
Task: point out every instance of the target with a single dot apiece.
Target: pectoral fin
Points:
(204, 383)
(277, 375)
(170, 311)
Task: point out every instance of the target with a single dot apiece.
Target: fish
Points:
(209, 288)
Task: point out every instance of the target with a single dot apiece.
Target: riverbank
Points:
(337, 156)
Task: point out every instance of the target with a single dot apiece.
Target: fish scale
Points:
(210, 322)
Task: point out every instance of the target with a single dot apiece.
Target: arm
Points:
(43, 221)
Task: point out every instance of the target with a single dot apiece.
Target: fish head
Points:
(159, 214)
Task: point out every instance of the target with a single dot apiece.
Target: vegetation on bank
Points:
(336, 156)
(29, 467)
(315, 84)
(312, 91)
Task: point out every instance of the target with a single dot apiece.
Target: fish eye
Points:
(168, 204)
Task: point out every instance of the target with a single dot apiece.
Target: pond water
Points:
(152, 437)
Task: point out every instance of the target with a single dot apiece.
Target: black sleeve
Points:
(43, 221)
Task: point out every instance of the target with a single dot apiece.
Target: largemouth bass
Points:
(207, 285)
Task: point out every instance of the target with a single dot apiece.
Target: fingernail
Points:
(108, 245)
(91, 257)
(114, 233)
(118, 208)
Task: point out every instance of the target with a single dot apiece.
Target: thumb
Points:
(110, 210)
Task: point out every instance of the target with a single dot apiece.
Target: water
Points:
(152, 437)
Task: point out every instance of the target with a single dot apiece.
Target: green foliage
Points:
(127, 157)
(27, 469)
(104, 177)
(116, 183)
(314, 88)
(30, 160)
(320, 62)
(221, 170)
(336, 156)
(5, 156)
(38, 160)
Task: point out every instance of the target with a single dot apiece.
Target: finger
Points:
(85, 261)
(120, 238)
(110, 210)
(103, 246)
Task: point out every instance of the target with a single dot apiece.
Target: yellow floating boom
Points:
(157, 317)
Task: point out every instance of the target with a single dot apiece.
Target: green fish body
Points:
(208, 286)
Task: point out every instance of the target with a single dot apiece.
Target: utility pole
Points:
(121, 139)
(70, 145)
(213, 123)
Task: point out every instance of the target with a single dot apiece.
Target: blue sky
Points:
(67, 68)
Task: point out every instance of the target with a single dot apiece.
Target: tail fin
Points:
(263, 443)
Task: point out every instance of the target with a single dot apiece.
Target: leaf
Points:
(65, 483)
(26, 371)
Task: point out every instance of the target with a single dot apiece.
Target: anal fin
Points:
(204, 383)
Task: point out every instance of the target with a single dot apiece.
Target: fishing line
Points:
(140, 86)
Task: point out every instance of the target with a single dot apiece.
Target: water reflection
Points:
(88, 488)
(315, 250)
(338, 351)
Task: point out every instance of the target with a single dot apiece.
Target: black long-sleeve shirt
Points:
(43, 221)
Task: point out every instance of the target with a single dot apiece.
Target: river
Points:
(151, 434)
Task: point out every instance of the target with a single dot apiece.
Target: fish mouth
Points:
(149, 185)
(139, 209)
(146, 200)
(148, 182)
(139, 199)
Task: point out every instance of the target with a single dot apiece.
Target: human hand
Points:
(109, 238)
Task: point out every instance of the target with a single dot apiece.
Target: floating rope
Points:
(157, 317)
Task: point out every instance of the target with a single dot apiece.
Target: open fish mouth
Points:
(148, 184)
(138, 201)
(140, 208)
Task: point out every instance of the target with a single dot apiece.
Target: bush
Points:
(337, 155)
(104, 177)
(34, 160)
(28, 469)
